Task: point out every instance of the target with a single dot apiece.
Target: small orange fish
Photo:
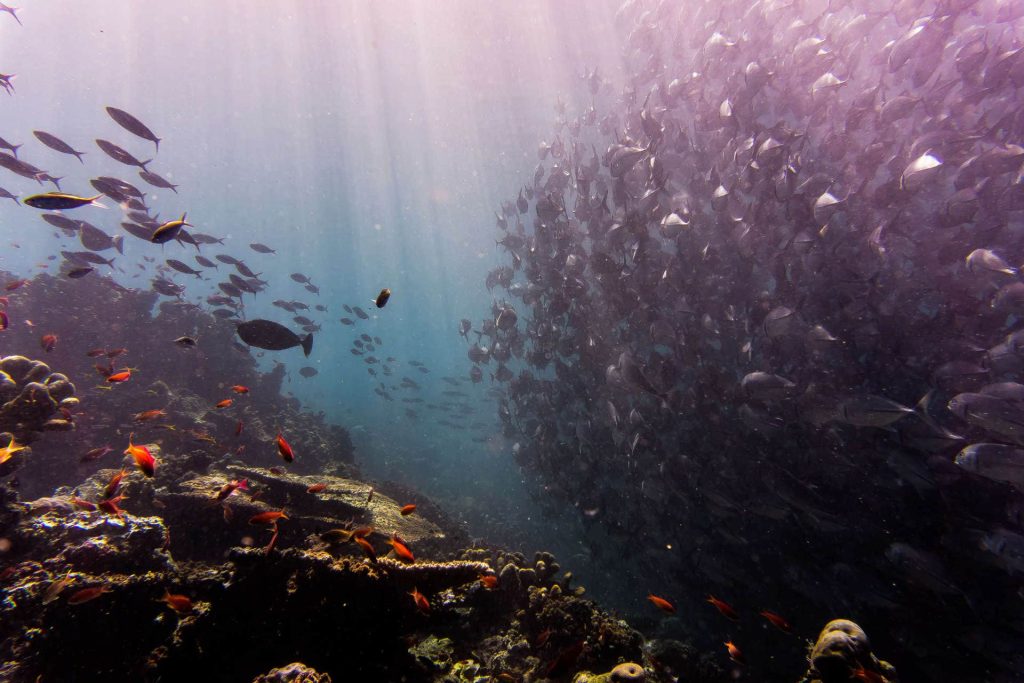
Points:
(8, 451)
(230, 487)
(109, 506)
(122, 376)
(489, 580)
(725, 608)
(239, 389)
(96, 453)
(401, 549)
(367, 547)
(268, 517)
(273, 541)
(5, 322)
(316, 488)
(286, 452)
(238, 428)
(735, 653)
(224, 404)
(408, 509)
(14, 284)
(420, 600)
(83, 504)
(179, 603)
(48, 342)
(144, 460)
(147, 415)
(662, 604)
(777, 621)
(113, 484)
(867, 676)
(87, 594)
(362, 532)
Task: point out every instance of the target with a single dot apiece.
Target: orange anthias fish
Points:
(239, 389)
(122, 376)
(662, 604)
(401, 549)
(725, 608)
(230, 487)
(113, 484)
(87, 594)
(95, 453)
(286, 452)
(777, 621)
(867, 676)
(268, 517)
(48, 342)
(9, 450)
(109, 506)
(420, 600)
(144, 460)
(735, 653)
(179, 603)
(367, 547)
(238, 428)
(316, 488)
(147, 415)
(83, 504)
(489, 580)
(408, 509)
(226, 403)
(14, 284)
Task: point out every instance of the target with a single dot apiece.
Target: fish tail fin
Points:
(307, 344)
(79, 156)
(157, 143)
(14, 150)
(142, 164)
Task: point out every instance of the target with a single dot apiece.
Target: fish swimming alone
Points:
(266, 334)
(382, 298)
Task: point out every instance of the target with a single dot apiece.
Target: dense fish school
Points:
(760, 322)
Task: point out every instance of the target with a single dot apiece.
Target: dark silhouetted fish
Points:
(133, 126)
(266, 334)
(261, 248)
(55, 143)
(156, 181)
(120, 155)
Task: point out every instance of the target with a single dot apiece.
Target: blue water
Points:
(368, 143)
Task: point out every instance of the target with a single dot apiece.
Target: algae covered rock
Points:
(841, 651)
(627, 672)
(32, 397)
(296, 672)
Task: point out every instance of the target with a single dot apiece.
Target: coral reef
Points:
(296, 672)
(31, 397)
(843, 653)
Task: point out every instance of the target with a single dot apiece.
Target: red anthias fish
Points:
(777, 621)
(286, 452)
(724, 607)
(401, 549)
(122, 376)
(420, 600)
(662, 604)
(48, 342)
(144, 460)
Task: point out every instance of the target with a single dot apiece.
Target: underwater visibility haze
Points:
(657, 340)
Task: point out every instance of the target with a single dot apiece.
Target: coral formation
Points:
(842, 650)
(296, 672)
(31, 396)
